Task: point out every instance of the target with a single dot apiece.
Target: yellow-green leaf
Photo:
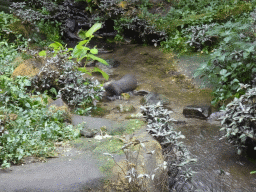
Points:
(94, 51)
(97, 58)
(56, 46)
(84, 70)
(104, 74)
(82, 42)
(82, 34)
(93, 29)
(42, 53)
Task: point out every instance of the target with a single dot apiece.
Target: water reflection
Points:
(219, 166)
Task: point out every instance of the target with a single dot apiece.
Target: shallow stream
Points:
(165, 74)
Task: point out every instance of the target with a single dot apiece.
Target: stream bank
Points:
(160, 72)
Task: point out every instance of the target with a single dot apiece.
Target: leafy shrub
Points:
(8, 33)
(5, 21)
(74, 89)
(41, 19)
(196, 16)
(198, 38)
(79, 91)
(7, 54)
(32, 128)
(159, 126)
(232, 62)
(239, 121)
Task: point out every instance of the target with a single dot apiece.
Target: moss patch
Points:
(133, 125)
(25, 69)
(99, 111)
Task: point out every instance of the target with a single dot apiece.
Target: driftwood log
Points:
(125, 84)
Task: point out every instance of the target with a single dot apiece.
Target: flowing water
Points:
(163, 73)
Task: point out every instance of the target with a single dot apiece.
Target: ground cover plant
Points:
(27, 127)
(232, 62)
(238, 121)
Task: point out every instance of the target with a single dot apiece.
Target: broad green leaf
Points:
(223, 72)
(227, 39)
(252, 172)
(82, 42)
(222, 58)
(251, 49)
(245, 55)
(105, 75)
(93, 29)
(84, 70)
(56, 45)
(97, 58)
(42, 53)
(53, 90)
(77, 53)
(234, 81)
(82, 34)
(28, 105)
(94, 51)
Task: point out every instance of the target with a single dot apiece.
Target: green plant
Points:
(160, 127)
(49, 29)
(81, 51)
(8, 34)
(7, 54)
(238, 121)
(29, 128)
(232, 62)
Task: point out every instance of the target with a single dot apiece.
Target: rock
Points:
(144, 160)
(58, 102)
(125, 84)
(97, 123)
(215, 116)
(60, 105)
(126, 108)
(193, 111)
(71, 24)
(135, 116)
(141, 92)
(29, 67)
(89, 133)
(154, 98)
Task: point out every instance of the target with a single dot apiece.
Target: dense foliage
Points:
(233, 61)
(161, 128)
(239, 121)
(27, 126)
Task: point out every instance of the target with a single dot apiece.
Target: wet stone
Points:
(58, 102)
(89, 133)
(193, 111)
(154, 98)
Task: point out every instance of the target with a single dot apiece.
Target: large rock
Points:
(30, 67)
(144, 160)
(154, 98)
(58, 102)
(193, 111)
(125, 84)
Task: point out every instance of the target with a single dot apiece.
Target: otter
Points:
(125, 84)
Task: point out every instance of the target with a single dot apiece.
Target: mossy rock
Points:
(29, 67)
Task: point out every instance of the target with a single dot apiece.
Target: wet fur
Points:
(125, 84)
